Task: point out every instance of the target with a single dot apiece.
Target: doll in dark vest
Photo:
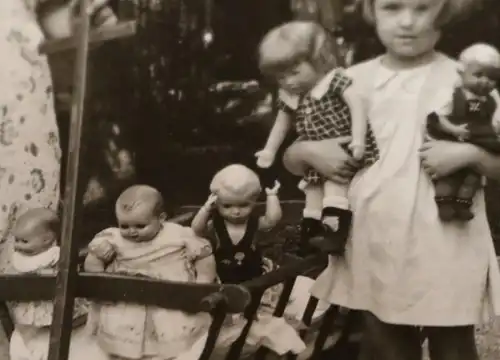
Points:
(230, 221)
(472, 115)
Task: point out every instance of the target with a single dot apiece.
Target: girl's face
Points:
(235, 209)
(299, 79)
(407, 27)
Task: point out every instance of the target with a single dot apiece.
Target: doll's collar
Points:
(321, 88)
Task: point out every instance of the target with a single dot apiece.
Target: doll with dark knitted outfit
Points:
(230, 221)
(471, 116)
(319, 100)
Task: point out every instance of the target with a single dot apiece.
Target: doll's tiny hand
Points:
(212, 199)
(358, 150)
(274, 189)
(461, 131)
(265, 158)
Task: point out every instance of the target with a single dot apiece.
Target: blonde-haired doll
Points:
(318, 98)
(469, 115)
(229, 219)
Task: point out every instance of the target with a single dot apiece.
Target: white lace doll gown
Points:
(135, 331)
(35, 317)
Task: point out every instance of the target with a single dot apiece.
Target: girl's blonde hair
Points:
(294, 42)
(237, 180)
(450, 10)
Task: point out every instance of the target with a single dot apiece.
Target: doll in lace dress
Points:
(145, 244)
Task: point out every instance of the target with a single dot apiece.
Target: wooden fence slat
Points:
(66, 279)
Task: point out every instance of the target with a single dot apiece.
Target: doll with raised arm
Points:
(471, 115)
(229, 219)
(145, 244)
(319, 100)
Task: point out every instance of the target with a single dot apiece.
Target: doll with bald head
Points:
(146, 244)
(229, 219)
(471, 114)
(36, 252)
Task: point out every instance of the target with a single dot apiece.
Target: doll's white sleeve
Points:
(102, 245)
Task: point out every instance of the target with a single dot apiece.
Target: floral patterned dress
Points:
(29, 139)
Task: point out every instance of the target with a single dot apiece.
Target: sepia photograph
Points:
(249, 180)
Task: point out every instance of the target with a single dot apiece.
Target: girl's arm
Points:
(441, 158)
(325, 156)
(202, 217)
(273, 209)
(359, 122)
(282, 124)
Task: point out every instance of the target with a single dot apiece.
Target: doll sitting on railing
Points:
(36, 252)
(146, 244)
(230, 220)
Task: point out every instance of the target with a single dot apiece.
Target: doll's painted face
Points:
(234, 208)
(299, 78)
(33, 236)
(141, 223)
(406, 27)
(479, 79)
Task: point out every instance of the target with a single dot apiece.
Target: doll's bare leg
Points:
(336, 219)
(471, 183)
(311, 218)
(445, 194)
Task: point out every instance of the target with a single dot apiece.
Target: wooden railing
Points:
(107, 287)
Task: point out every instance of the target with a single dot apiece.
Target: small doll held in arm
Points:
(320, 101)
(145, 244)
(471, 115)
(229, 219)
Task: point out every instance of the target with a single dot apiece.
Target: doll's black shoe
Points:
(332, 239)
(446, 207)
(328, 241)
(309, 228)
(462, 208)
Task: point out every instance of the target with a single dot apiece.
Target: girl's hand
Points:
(274, 190)
(441, 158)
(325, 156)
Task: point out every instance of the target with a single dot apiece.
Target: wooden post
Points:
(66, 279)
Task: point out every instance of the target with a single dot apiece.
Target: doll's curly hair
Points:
(291, 43)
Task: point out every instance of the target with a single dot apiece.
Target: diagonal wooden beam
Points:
(66, 279)
(96, 36)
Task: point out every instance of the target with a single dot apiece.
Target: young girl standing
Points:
(403, 266)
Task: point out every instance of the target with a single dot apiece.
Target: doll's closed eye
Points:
(21, 240)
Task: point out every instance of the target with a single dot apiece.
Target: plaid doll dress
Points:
(323, 114)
